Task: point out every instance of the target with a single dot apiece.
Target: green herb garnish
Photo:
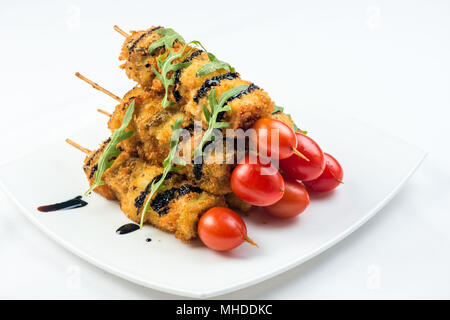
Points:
(169, 36)
(212, 66)
(111, 152)
(277, 109)
(169, 165)
(166, 66)
(211, 116)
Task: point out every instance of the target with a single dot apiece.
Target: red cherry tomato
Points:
(300, 169)
(222, 229)
(257, 184)
(294, 201)
(330, 178)
(286, 138)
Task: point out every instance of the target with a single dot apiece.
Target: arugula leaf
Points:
(212, 66)
(166, 66)
(169, 36)
(211, 116)
(169, 162)
(111, 152)
(277, 109)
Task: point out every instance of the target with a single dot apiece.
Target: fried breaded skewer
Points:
(175, 209)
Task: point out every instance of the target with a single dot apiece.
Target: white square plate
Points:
(375, 167)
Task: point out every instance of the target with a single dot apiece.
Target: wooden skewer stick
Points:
(76, 145)
(104, 112)
(250, 240)
(121, 31)
(96, 86)
(301, 155)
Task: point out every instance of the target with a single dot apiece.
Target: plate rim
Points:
(234, 287)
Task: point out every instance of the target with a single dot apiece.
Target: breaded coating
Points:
(90, 167)
(175, 209)
(152, 127)
(186, 194)
(234, 202)
(213, 175)
(150, 123)
(189, 91)
(246, 108)
(138, 62)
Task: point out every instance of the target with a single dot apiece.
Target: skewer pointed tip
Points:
(250, 240)
(121, 31)
(98, 87)
(104, 112)
(77, 146)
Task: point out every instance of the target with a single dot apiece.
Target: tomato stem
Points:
(298, 153)
(249, 240)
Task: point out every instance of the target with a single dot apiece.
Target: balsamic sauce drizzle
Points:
(198, 163)
(66, 205)
(177, 76)
(94, 168)
(213, 82)
(127, 228)
(139, 201)
(250, 88)
(135, 42)
(160, 203)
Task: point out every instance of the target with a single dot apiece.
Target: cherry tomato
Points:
(222, 229)
(286, 138)
(330, 178)
(301, 169)
(257, 184)
(294, 201)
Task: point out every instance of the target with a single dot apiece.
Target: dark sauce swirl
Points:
(127, 228)
(213, 82)
(197, 168)
(66, 205)
(250, 88)
(136, 42)
(160, 203)
(140, 200)
(177, 76)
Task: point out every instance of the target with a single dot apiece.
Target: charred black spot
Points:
(213, 82)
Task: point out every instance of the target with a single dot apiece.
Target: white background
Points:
(384, 62)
